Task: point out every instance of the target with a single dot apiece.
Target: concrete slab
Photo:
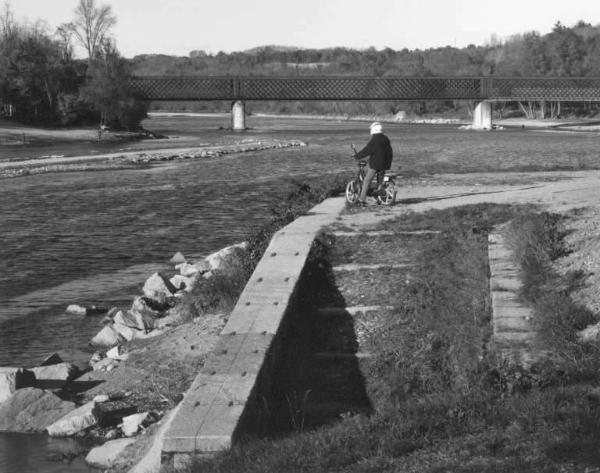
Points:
(510, 284)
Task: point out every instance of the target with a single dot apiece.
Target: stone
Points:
(107, 364)
(589, 334)
(107, 337)
(76, 309)
(101, 398)
(54, 376)
(112, 412)
(183, 283)
(158, 288)
(186, 269)
(228, 258)
(177, 258)
(105, 455)
(12, 379)
(132, 423)
(96, 357)
(117, 353)
(31, 410)
(75, 421)
(53, 359)
(202, 266)
(128, 333)
(142, 306)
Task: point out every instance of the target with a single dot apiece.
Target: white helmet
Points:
(376, 128)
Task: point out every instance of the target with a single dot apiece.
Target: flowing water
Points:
(94, 237)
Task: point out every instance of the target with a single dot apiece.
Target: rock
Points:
(135, 319)
(158, 288)
(202, 266)
(31, 410)
(112, 312)
(12, 379)
(101, 398)
(75, 421)
(228, 258)
(186, 269)
(107, 364)
(53, 359)
(107, 337)
(132, 423)
(111, 434)
(143, 306)
(105, 455)
(96, 357)
(54, 376)
(76, 310)
(115, 353)
(177, 258)
(128, 333)
(183, 283)
(113, 412)
(589, 334)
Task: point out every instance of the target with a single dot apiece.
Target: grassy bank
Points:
(441, 401)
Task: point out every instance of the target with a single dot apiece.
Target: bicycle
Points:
(384, 192)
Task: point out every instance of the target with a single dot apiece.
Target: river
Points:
(94, 237)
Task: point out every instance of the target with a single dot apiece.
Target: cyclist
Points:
(380, 155)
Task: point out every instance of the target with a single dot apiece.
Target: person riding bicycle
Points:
(379, 150)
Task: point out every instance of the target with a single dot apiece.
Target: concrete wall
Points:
(227, 399)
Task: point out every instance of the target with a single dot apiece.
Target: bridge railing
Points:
(364, 88)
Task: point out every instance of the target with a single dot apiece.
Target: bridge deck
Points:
(365, 88)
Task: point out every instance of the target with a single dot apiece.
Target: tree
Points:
(91, 25)
(107, 92)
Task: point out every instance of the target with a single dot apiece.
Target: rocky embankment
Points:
(136, 158)
(145, 359)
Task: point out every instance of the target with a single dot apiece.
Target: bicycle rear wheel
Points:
(388, 196)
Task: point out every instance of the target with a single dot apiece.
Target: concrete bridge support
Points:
(482, 116)
(238, 115)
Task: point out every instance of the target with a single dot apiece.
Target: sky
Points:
(176, 27)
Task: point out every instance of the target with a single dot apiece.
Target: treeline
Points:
(41, 81)
(565, 51)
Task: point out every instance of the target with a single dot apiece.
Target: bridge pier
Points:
(238, 115)
(482, 116)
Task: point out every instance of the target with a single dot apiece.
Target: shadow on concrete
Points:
(313, 377)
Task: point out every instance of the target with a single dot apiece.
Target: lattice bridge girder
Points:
(348, 88)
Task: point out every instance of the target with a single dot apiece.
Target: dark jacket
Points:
(379, 151)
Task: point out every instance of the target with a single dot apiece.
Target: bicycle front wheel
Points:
(352, 192)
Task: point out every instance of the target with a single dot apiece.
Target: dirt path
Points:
(576, 195)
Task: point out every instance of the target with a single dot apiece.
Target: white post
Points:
(482, 116)
(238, 115)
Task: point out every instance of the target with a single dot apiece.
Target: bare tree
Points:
(7, 21)
(91, 25)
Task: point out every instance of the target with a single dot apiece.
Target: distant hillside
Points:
(565, 51)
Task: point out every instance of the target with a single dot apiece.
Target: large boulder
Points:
(107, 337)
(132, 423)
(128, 333)
(158, 288)
(183, 283)
(31, 410)
(75, 421)
(134, 319)
(12, 379)
(54, 376)
(52, 359)
(228, 258)
(104, 456)
(177, 258)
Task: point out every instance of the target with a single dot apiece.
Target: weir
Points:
(220, 406)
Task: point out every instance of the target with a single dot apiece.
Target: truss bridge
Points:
(350, 88)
